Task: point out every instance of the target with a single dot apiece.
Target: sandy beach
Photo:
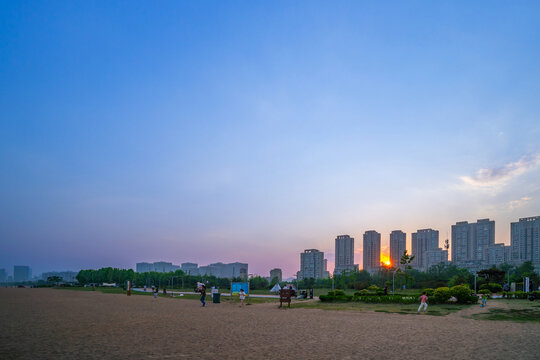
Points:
(62, 324)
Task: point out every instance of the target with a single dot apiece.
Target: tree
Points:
(405, 264)
(54, 279)
(492, 275)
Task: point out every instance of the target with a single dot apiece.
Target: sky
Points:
(250, 131)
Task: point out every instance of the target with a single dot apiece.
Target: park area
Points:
(105, 323)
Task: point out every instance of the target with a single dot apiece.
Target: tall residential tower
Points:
(398, 245)
(344, 254)
(372, 251)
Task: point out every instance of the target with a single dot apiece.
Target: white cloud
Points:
(514, 204)
(495, 178)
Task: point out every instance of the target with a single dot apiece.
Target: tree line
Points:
(442, 275)
(176, 279)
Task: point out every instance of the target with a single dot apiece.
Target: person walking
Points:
(203, 295)
(156, 292)
(242, 297)
(423, 303)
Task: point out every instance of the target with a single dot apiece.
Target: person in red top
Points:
(423, 302)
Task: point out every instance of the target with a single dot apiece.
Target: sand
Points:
(63, 324)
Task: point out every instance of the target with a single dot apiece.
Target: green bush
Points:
(495, 288)
(374, 288)
(485, 292)
(429, 291)
(442, 295)
(463, 294)
(335, 296)
(388, 299)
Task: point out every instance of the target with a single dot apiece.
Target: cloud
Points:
(498, 177)
(514, 204)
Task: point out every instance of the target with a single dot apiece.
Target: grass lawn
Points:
(433, 310)
(511, 310)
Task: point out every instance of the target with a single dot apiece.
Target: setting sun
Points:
(385, 259)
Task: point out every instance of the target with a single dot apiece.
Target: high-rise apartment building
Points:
(144, 267)
(398, 245)
(525, 240)
(470, 240)
(276, 273)
(344, 254)
(3, 275)
(497, 254)
(22, 273)
(190, 268)
(424, 240)
(229, 271)
(311, 264)
(372, 251)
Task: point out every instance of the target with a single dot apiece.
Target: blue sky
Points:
(250, 131)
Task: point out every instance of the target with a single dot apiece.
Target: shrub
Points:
(429, 291)
(337, 295)
(495, 288)
(388, 299)
(463, 294)
(442, 294)
(361, 293)
(485, 292)
(325, 298)
(373, 288)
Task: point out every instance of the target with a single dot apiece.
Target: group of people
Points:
(202, 290)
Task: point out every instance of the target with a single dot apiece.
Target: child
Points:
(242, 297)
(484, 300)
(423, 303)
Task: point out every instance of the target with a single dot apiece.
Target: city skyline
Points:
(211, 132)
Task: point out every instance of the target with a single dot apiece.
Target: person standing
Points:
(203, 295)
(155, 292)
(242, 297)
(423, 302)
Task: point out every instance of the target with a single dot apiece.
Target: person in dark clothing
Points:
(203, 295)
(386, 290)
(311, 293)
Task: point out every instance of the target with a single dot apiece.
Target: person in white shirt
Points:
(242, 297)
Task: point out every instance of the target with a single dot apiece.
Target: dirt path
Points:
(63, 324)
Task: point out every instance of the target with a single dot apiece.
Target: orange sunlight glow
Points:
(385, 259)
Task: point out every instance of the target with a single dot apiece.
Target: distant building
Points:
(372, 251)
(144, 267)
(3, 275)
(165, 267)
(66, 276)
(344, 254)
(435, 257)
(424, 240)
(190, 268)
(398, 245)
(221, 270)
(22, 273)
(159, 266)
(276, 273)
(470, 240)
(525, 240)
(311, 264)
(497, 254)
